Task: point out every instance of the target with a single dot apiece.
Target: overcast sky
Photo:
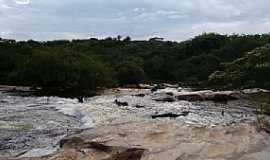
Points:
(140, 19)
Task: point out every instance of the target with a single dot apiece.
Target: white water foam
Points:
(72, 107)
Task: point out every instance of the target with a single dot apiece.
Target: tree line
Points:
(83, 66)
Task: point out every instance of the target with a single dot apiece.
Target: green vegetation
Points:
(251, 70)
(79, 67)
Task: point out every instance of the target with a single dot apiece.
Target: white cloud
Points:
(172, 19)
(138, 9)
(23, 2)
(5, 6)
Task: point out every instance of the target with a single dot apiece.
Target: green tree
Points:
(129, 73)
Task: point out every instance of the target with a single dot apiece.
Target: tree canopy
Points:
(85, 65)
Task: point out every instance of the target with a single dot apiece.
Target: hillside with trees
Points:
(251, 70)
(82, 66)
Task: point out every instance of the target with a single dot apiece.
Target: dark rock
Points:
(169, 93)
(128, 154)
(120, 103)
(190, 97)
(98, 146)
(140, 95)
(71, 142)
(170, 115)
(184, 113)
(80, 99)
(154, 89)
(113, 152)
(222, 98)
(139, 106)
(165, 99)
(157, 87)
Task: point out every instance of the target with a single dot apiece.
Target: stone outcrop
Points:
(219, 97)
(164, 140)
(207, 95)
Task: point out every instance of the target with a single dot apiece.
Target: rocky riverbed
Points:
(35, 124)
(176, 123)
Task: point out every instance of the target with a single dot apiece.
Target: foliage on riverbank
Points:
(251, 70)
(81, 66)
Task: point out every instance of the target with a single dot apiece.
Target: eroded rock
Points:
(86, 148)
(218, 97)
(164, 140)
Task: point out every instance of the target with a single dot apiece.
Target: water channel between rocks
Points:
(33, 126)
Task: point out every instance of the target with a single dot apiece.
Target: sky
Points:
(140, 19)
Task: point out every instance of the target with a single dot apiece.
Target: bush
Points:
(129, 73)
(62, 70)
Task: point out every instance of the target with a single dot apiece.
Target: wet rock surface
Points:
(220, 97)
(165, 140)
(34, 124)
(146, 127)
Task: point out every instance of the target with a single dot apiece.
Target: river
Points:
(33, 126)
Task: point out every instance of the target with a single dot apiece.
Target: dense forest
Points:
(82, 66)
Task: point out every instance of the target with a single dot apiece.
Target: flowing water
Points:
(33, 126)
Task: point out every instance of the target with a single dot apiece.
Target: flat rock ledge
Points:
(162, 140)
(220, 96)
